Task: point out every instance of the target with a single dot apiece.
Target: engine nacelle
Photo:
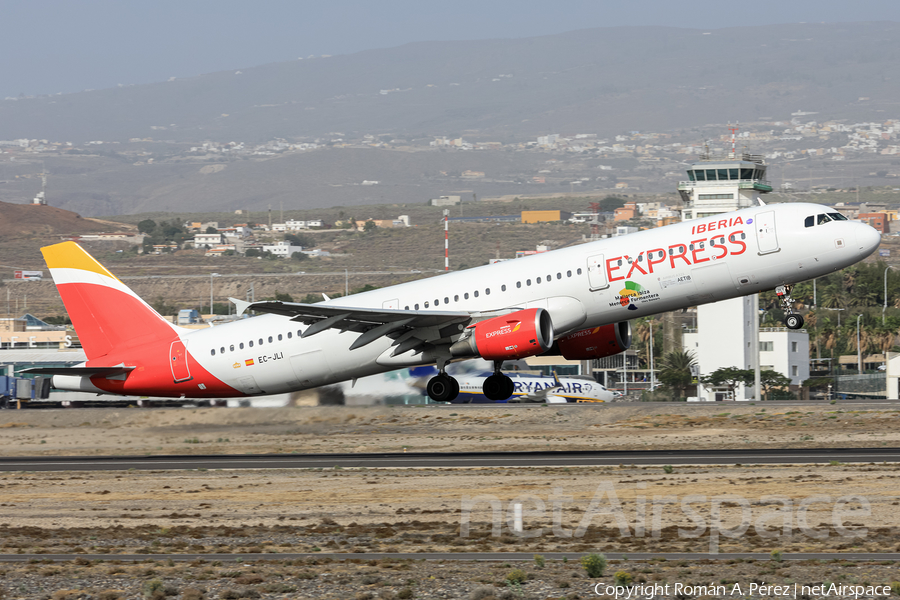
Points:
(516, 335)
(596, 342)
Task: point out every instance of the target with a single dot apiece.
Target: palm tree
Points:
(675, 370)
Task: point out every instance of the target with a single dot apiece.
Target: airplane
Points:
(537, 388)
(575, 301)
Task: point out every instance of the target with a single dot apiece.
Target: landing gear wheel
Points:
(498, 387)
(442, 388)
(793, 321)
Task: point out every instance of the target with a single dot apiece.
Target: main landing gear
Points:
(791, 319)
(442, 388)
(498, 386)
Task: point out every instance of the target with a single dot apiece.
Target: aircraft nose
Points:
(867, 239)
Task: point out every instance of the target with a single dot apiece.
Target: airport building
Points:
(728, 332)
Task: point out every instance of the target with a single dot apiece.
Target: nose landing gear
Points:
(792, 320)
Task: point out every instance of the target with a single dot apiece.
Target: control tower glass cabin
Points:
(719, 186)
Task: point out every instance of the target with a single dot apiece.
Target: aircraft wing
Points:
(408, 328)
(83, 371)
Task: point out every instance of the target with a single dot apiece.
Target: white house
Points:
(282, 249)
(207, 239)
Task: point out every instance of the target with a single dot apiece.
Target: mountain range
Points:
(604, 81)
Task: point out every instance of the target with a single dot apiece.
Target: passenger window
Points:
(456, 298)
(559, 275)
(299, 333)
(549, 277)
(404, 308)
(810, 221)
(426, 305)
(251, 343)
(212, 352)
(578, 271)
(279, 337)
(475, 293)
(671, 252)
(640, 258)
(231, 347)
(487, 291)
(446, 300)
(466, 296)
(503, 288)
(241, 345)
(527, 282)
(437, 302)
(260, 341)
(222, 350)
(290, 335)
(518, 284)
(270, 339)
(568, 273)
(692, 246)
(539, 279)
(417, 307)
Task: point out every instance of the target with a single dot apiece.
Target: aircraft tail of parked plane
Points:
(575, 301)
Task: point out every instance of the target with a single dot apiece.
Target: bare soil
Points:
(261, 513)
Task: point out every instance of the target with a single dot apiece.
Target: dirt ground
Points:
(577, 510)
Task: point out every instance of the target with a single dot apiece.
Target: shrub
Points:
(776, 555)
(539, 561)
(516, 576)
(623, 578)
(668, 468)
(594, 564)
(405, 594)
(482, 593)
(193, 593)
(895, 588)
(153, 589)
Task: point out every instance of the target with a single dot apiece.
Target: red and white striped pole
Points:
(446, 240)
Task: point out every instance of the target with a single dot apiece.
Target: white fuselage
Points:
(602, 282)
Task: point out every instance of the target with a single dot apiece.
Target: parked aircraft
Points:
(536, 388)
(574, 301)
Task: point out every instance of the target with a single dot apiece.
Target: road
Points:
(452, 459)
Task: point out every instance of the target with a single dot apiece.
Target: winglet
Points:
(556, 379)
(240, 305)
(324, 295)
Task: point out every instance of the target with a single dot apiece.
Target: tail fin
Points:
(106, 314)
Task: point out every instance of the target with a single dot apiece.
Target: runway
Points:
(452, 459)
(447, 556)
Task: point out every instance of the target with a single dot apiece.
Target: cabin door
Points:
(765, 232)
(597, 272)
(178, 362)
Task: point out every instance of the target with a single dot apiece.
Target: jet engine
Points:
(515, 335)
(596, 342)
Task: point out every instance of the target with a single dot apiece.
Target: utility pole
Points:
(446, 240)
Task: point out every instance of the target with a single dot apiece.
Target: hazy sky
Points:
(54, 46)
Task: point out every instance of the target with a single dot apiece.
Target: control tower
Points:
(717, 186)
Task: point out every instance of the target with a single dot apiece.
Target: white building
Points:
(282, 249)
(207, 239)
(723, 339)
(445, 201)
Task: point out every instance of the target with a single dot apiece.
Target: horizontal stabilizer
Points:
(79, 371)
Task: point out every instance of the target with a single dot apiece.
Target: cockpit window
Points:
(838, 217)
(810, 221)
(823, 218)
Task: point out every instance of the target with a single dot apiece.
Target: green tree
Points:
(299, 239)
(211, 229)
(675, 370)
(729, 377)
(147, 226)
(769, 380)
(370, 226)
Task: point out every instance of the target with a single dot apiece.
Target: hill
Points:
(30, 220)
(597, 80)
